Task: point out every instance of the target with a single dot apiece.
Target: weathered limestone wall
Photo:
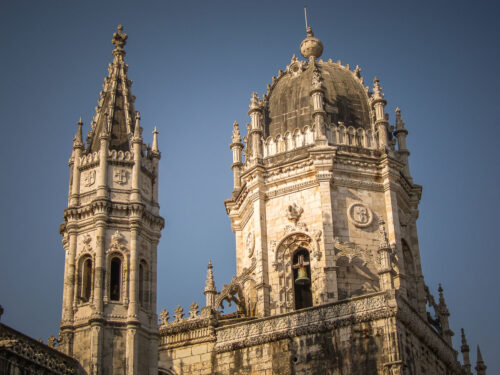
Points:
(372, 334)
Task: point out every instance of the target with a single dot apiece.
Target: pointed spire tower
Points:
(110, 234)
(465, 354)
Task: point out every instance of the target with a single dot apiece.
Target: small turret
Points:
(317, 97)
(210, 290)
(256, 128)
(465, 354)
(381, 124)
(401, 134)
(480, 366)
(77, 141)
(236, 146)
(444, 314)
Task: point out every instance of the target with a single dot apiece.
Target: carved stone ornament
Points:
(89, 178)
(293, 212)
(360, 215)
(86, 242)
(120, 176)
(117, 242)
(250, 244)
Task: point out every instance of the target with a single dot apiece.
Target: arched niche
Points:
(284, 287)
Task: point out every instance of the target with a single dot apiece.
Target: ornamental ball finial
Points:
(311, 47)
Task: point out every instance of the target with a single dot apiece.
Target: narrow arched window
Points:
(86, 280)
(302, 279)
(115, 279)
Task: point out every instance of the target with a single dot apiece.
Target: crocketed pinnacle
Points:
(210, 283)
(117, 101)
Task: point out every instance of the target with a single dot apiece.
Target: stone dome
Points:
(289, 105)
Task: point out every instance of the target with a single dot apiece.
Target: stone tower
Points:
(325, 193)
(110, 235)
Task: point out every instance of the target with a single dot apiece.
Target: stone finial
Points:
(311, 48)
(254, 101)
(164, 317)
(236, 133)
(51, 341)
(377, 90)
(480, 366)
(210, 283)
(465, 353)
(77, 140)
(357, 71)
(155, 140)
(383, 239)
(400, 125)
(179, 313)
(119, 40)
(137, 127)
(193, 310)
(1, 311)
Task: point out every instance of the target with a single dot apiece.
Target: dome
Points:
(289, 105)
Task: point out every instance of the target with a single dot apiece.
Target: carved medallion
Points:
(120, 176)
(293, 212)
(89, 178)
(250, 244)
(360, 215)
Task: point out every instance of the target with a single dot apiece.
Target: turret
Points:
(381, 124)
(401, 134)
(480, 366)
(465, 354)
(317, 97)
(236, 147)
(256, 127)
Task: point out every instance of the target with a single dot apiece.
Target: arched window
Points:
(115, 279)
(302, 279)
(143, 284)
(86, 280)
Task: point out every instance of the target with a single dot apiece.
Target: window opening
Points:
(116, 265)
(86, 280)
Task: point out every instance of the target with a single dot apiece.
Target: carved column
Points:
(319, 114)
(102, 187)
(70, 276)
(262, 273)
(136, 169)
(381, 124)
(385, 268)
(236, 146)
(100, 267)
(256, 129)
(134, 266)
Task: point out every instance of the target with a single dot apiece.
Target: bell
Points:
(302, 278)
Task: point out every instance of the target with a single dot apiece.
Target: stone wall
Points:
(378, 333)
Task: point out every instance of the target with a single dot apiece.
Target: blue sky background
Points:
(194, 65)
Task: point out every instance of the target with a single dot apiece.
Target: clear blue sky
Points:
(194, 66)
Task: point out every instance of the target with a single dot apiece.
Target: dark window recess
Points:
(114, 291)
(86, 280)
(302, 279)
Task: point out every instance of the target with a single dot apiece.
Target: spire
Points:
(480, 366)
(137, 127)
(155, 140)
(117, 100)
(77, 141)
(465, 354)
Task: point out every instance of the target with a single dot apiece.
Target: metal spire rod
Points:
(305, 15)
